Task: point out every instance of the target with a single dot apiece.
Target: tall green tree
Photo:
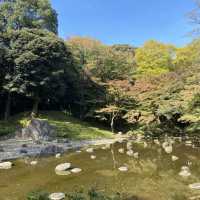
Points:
(39, 62)
(18, 14)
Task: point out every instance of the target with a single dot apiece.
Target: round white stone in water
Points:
(136, 155)
(130, 152)
(195, 186)
(34, 162)
(58, 155)
(168, 149)
(57, 196)
(123, 169)
(121, 150)
(93, 157)
(90, 150)
(174, 158)
(63, 167)
(76, 170)
(5, 165)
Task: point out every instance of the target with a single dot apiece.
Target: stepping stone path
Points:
(57, 196)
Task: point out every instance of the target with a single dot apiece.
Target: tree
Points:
(188, 55)
(18, 14)
(154, 58)
(103, 62)
(118, 104)
(39, 63)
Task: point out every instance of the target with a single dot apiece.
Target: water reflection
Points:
(153, 173)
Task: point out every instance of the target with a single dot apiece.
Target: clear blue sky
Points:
(125, 21)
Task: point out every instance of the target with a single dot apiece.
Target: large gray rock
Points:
(37, 130)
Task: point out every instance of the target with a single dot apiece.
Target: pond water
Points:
(152, 176)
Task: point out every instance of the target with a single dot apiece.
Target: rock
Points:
(5, 165)
(175, 158)
(93, 157)
(34, 162)
(76, 170)
(168, 149)
(123, 169)
(145, 145)
(51, 150)
(121, 150)
(90, 150)
(156, 141)
(195, 186)
(78, 151)
(130, 152)
(129, 145)
(57, 196)
(136, 155)
(63, 167)
(185, 171)
(37, 130)
(58, 155)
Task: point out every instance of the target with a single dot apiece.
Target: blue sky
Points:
(125, 21)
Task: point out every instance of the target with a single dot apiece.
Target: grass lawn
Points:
(66, 126)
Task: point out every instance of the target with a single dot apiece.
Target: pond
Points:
(151, 176)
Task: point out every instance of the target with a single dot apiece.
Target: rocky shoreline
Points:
(14, 148)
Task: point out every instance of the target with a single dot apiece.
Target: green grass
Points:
(66, 126)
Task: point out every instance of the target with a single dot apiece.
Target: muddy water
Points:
(153, 176)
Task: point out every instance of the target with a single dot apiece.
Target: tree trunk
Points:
(7, 109)
(35, 107)
(112, 122)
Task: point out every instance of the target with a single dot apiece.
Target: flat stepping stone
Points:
(57, 196)
(63, 167)
(175, 158)
(90, 150)
(34, 162)
(121, 150)
(93, 157)
(76, 170)
(195, 186)
(5, 165)
(123, 169)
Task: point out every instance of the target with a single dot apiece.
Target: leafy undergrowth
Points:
(66, 126)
